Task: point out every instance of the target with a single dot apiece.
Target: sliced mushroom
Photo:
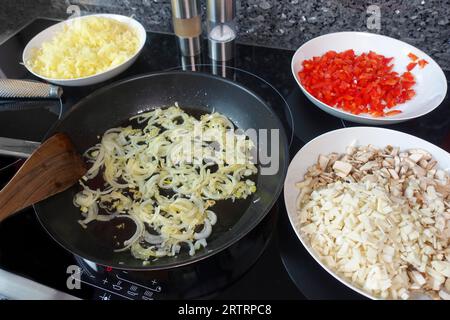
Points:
(395, 151)
(419, 171)
(425, 155)
(363, 156)
(444, 190)
(394, 174)
(416, 157)
(431, 164)
(388, 162)
(323, 162)
(342, 168)
(369, 166)
(350, 150)
(423, 163)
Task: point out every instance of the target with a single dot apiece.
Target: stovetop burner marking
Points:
(156, 289)
(115, 284)
(105, 289)
(105, 296)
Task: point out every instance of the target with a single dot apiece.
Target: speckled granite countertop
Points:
(283, 24)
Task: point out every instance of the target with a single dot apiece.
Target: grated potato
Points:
(85, 47)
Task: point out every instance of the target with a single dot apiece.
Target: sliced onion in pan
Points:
(137, 234)
(206, 231)
(153, 238)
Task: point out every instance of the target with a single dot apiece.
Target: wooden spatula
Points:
(52, 168)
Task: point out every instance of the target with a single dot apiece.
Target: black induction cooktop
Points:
(276, 265)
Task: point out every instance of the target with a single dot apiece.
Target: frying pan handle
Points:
(17, 148)
(27, 89)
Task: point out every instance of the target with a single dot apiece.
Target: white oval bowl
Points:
(50, 32)
(430, 87)
(337, 141)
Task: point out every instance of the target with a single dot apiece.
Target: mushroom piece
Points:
(425, 155)
(363, 156)
(394, 174)
(388, 163)
(444, 190)
(369, 166)
(423, 163)
(444, 294)
(323, 162)
(342, 168)
(416, 157)
(419, 171)
(431, 165)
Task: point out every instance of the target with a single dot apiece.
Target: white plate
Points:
(50, 32)
(337, 141)
(430, 87)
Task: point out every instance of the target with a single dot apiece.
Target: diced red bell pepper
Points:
(364, 83)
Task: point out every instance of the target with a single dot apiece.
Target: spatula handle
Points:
(26, 89)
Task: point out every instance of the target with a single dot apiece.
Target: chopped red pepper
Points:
(422, 63)
(392, 113)
(412, 56)
(364, 83)
(411, 66)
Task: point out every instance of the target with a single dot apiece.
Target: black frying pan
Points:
(114, 104)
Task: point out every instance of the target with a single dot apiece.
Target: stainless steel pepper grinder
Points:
(222, 30)
(187, 25)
